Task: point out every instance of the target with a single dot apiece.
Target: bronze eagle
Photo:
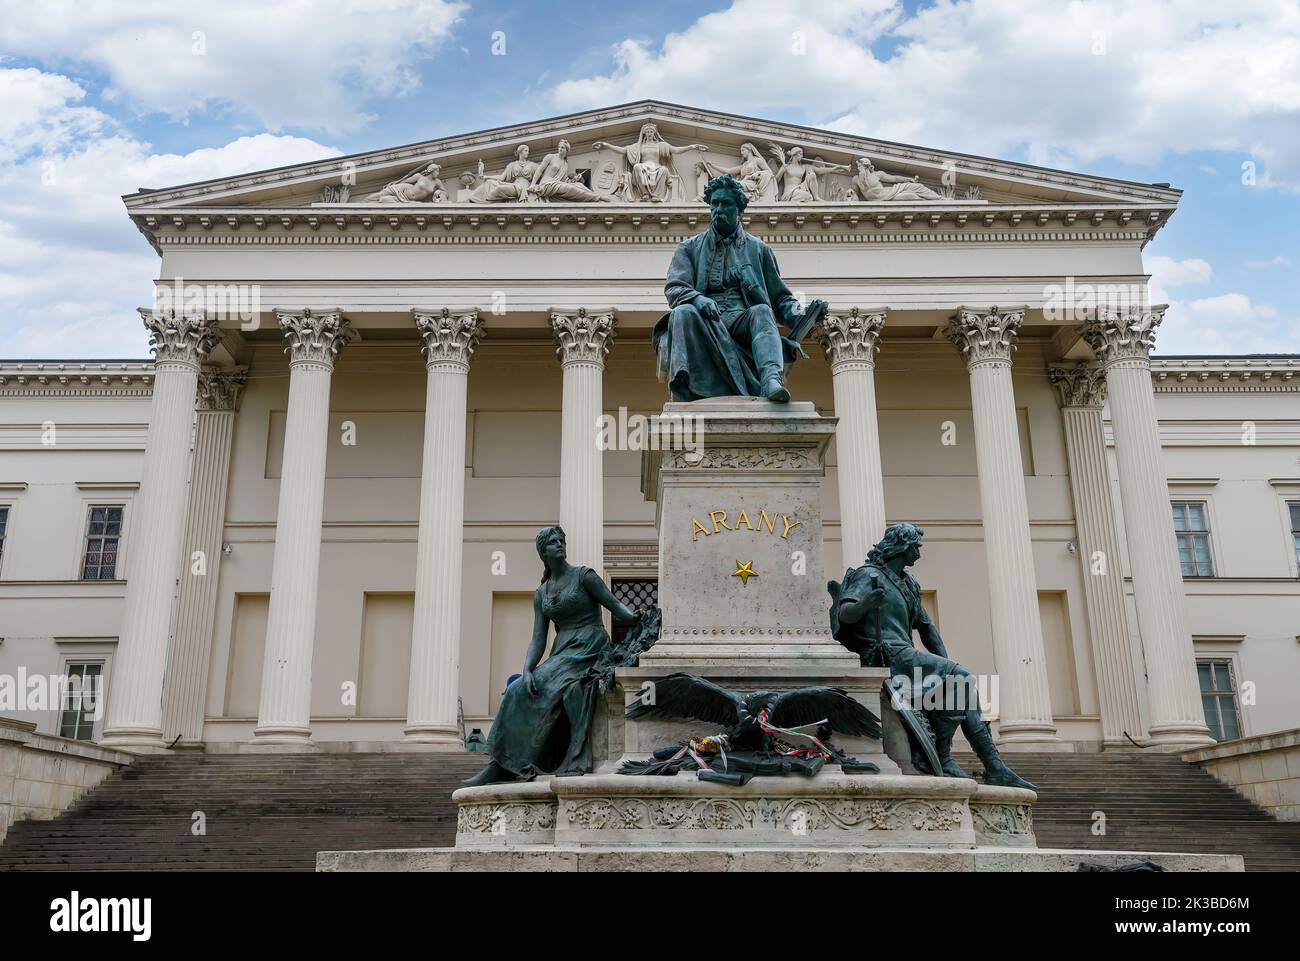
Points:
(691, 697)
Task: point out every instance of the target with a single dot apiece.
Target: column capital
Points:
(985, 335)
(582, 336)
(219, 388)
(448, 337)
(312, 337)
(1130, 335)
(179, 338)
(1083, 385)
(852, 335)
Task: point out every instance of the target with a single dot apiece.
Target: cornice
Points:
(1212, 375)
(88, 378)
(609, 224)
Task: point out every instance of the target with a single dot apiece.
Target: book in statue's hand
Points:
(812, 314)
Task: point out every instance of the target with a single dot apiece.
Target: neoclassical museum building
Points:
(308, 523)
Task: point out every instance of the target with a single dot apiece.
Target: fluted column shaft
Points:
(449, 343)
(187, 667)
(1123, 346)
(851, 340)
(1083, 392)
(582, 341)
(133, 715)
(284, 712)
(986, 339)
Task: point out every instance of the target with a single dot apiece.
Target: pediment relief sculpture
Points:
(645, 172)
(422, 185)
(650, 176)
(798, 177)
(875, 186)
(510, 186)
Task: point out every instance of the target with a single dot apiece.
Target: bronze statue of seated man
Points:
(873, 612)
(720, 338)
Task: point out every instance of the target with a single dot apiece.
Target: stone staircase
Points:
(1152, 802)
(274, 812)
(268, 812)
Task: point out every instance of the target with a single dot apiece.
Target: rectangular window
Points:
(4, 530)
(82, 699)
(1294, 509)
(1193, 532)
(1219, 699)
(103, 535)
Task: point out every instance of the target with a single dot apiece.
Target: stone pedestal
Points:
(738, 486)
(745, 495)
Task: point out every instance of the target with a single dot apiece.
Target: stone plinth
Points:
(737, 483)
(790, 859)
(831, 810)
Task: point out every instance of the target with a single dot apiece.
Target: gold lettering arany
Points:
(718, 522)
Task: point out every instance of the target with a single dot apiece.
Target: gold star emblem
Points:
(744, 571)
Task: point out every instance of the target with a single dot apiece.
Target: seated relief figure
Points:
(876, 186)
(720, 338)
(543, 725)
(873, 612)
(552, 180)
(650, 162)
(798, 177)
(753, 173)
(421, 186)
(511, 186)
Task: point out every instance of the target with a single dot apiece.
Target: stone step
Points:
(274, 812)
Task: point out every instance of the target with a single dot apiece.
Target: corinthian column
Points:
(449, 342)
(1123, 346)
(187, 667)
(312, 341)
(986, 339)
(1083, 392)
(850, 341)
(133, 717)
(582, 341)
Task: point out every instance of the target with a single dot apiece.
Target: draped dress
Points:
(552, 731)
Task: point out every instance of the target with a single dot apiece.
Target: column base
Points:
(433, 738)
(1030, 737)
(135, 741)
(283, 740)
(1172, 739)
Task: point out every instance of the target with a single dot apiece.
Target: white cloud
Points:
(1062, 83)
(72, 266)
(1275, 261)
(1168, 274)
(307, 65)
(1227, 324)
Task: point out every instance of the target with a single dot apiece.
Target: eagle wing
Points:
(687, 696)
(808, 705)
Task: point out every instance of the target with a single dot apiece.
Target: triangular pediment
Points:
(474, 169)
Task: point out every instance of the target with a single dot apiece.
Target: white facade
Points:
(327, 611)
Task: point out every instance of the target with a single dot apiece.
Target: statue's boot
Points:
(768, 357)
(996, 772)
(943, 747)
(494, 773)
(774, 389)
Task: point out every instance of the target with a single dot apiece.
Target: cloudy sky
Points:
(99, 97)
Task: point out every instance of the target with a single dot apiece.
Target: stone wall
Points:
(41, 776)
(1266, 769)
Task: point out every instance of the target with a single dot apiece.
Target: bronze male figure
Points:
(720, 339)
(874, 612)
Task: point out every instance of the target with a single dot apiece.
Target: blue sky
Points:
(98, 98)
